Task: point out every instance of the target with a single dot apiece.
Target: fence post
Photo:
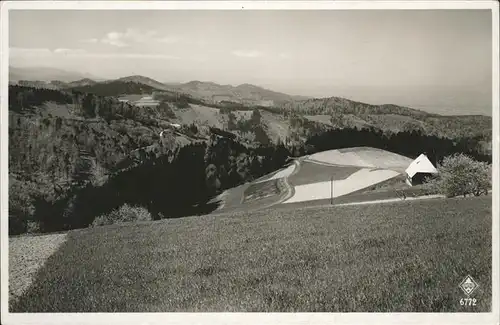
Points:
(331, 191)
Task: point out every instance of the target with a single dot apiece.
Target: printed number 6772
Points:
(468, 302)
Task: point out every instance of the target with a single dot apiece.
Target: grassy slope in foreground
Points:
(408, 256)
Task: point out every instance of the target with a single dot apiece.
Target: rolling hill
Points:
(114, 88)
(388, 117)
(80, 83)
(284, 114)
(209, 91)
(244, 93)
(316, 259)
(307, 180)
(317, 111)
(45, 74)
(144, 81)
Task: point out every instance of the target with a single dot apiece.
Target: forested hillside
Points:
(115, 88)
(393, 118)
(75, 155)
(332, 111)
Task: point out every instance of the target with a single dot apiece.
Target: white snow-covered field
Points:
(282, 173)
(357, 181)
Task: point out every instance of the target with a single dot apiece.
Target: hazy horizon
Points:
(437, 60)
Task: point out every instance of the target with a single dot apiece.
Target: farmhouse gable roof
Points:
(421, 165)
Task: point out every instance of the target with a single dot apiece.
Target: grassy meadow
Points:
(398, 257)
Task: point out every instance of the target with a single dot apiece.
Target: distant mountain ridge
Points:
(204, 90)
(207, 91)
(143, 80)
(244, 93)
(46, 74)
(114, 88)
(81, 83)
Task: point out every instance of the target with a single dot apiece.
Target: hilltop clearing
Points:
(308, 179)
(362, 157)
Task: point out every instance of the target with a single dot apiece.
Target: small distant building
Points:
(170, 130)
(266, 103)
(147, 101)
(419, 169)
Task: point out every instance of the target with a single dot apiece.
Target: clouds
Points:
(81, 53)
(132, 37)
(28, 52)
(69, 51)
(247, 53)
(115, 39)
(252, 54)
(90, 40)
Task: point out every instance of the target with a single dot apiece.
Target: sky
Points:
(438, 60)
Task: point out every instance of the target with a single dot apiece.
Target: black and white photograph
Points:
(250, 157)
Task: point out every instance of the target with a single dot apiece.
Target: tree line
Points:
(182, 182)
(176, 184)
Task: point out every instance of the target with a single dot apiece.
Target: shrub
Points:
(459, 174)
(166, 110)
(125, 213)
(21, 206)
(182, 103)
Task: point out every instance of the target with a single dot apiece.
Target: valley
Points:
(233, 176)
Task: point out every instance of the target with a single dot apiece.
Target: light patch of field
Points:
(424, 197)
(58, 110)
(244, 115)
(394, 122)
(325, 119)
(355, 182)
(132, 97)
(200, 115)
(27, 254)
(277, 127)
(355, 121)
(350, 119)
(280, 174)
(363, 157)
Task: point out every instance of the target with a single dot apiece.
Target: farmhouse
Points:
(221, 133)
(419, 169)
